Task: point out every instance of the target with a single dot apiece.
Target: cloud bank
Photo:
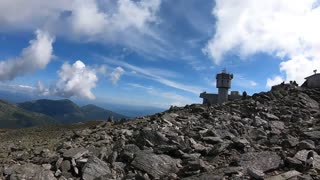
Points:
(36, 56)
(124, 22)
(287, 29)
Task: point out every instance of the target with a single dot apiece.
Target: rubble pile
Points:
(267, 136)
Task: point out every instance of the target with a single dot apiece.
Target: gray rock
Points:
(65, 166)
(212, 140)
(290, 141)
(313, 134)
(204, 176)
(270, 116)
(256, 174)
(155, 165)
(285, 176)
(276, 126)
(30, 172)
(95, 168)
(293, 163)
(75, 153)
(263, 161)
(46, 166)
(306, 144)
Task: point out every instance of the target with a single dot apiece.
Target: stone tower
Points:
(223, 84)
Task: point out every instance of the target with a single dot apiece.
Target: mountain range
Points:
(46, 112)
(12, 116)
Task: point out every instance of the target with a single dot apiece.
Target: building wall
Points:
(222, 95)
(209, 98)
(313, 81)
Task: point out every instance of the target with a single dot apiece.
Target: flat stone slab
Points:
(284, 176)
(30, 171)
(95, 168)
(262, 161)
(75, 153)
(155, 165)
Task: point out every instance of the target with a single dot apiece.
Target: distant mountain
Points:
(12, 116)
(66, 111)
(97, 113)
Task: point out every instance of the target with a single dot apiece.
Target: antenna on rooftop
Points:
(315, 71)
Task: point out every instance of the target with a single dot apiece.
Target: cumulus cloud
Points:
(287, 29)
(116, 75)
(75, 79)
(36, 56)
(274, 81)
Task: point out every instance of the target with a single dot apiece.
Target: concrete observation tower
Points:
(223, 85)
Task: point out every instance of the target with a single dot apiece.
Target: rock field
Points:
(266, 136)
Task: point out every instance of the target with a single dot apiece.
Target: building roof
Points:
(312, 75)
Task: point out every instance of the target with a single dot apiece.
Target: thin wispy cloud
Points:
(244, 82)
(168, 98)
(152, 76)
(116, 74)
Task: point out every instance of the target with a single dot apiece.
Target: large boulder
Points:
(263, 161)
(30, 172)
(95, 168)
(157, 166)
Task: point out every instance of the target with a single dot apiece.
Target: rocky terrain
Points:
(266, 136)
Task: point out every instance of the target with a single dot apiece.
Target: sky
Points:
(154, 53)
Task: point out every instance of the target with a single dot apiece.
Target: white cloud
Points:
(36, 56)
(116, 74)
(274, 81)
(299, 67)
(31, 14)
(287, 29)
(17, 88)
(86, 18)
(75, 79)
(124, 22)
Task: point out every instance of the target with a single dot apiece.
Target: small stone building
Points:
(312, 81)
(223, 84)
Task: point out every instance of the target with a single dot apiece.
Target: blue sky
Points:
(154, 52)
